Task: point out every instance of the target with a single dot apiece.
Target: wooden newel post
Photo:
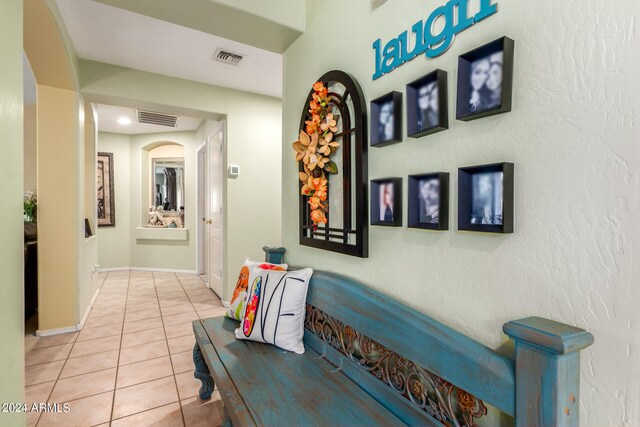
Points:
(547, 371)
(274, 255)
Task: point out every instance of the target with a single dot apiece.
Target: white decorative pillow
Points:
(275, 308)
(236, 305)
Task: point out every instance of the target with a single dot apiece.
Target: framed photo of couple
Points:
(485, 80)
(429, 201)
(386, 202)
(427, 105)
(485, 198)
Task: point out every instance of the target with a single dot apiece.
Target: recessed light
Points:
(124, 121)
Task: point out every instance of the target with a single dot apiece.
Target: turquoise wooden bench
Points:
(371, 361)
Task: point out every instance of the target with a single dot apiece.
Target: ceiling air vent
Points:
(160, 119)
(227, 57)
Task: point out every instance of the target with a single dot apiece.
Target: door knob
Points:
(208, 221)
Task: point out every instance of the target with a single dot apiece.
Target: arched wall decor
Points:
(346, 230)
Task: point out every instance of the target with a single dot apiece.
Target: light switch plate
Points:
(233, 171)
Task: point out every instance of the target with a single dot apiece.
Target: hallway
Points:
(131, 364)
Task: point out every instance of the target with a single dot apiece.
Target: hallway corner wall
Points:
(88, 280)
(60, 136)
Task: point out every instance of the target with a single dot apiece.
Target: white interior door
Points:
(214, 228)
(202, 237)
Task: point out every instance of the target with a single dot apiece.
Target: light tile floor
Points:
(131, 364)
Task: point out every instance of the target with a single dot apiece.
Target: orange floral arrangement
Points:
(313, 151)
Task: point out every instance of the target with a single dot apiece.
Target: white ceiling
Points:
(108, 116)
(115, 36)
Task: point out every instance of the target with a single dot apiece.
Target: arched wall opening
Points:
(65, 182)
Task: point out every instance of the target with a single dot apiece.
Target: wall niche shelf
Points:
(147, 233)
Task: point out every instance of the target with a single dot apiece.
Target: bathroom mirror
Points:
(168, 183)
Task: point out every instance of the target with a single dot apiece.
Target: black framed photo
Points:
(386, 202)
(105, 184)
(485, 198)
(429, 201)
(485, 80)
(386, 120)
(87, 229)
(427, 105)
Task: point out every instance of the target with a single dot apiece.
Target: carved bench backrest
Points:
(427, 373)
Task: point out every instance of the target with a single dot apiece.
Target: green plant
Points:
(30, 204)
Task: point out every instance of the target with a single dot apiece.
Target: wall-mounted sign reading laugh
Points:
(432, 37)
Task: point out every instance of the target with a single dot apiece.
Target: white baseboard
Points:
(163, 270)
(160, 270)
(49, 332)
(78, 327)
(88, 310)
(106, 270)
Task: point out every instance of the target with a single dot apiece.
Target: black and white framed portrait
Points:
(485, 80)
(386, 202)
(429, 201)
(386, 119)
(486, 198)
(427, 105)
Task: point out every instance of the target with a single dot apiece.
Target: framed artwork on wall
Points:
(386, 202)
(429, 201)
(485, 80)
(386, 119)
(105, 183)
(427, 105)
(333, 168)
(485, 198)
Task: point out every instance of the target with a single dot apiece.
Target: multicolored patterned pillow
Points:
(236, 305)
(275, 308)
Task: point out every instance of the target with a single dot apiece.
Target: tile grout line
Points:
(173, 280)
(146, 410)
(75, 357)
(73, 343)
(115, 381)
(57, 379)
(189, 297)
(104, 369)
(199, 318)
(175, 380)
(123, 388)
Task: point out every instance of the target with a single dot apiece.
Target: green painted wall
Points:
(114, 243)
(573, 136)
(11, 186)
